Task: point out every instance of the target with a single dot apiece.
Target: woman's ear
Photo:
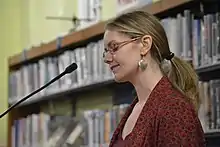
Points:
(147, 44)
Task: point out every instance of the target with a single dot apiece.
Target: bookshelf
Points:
(89, 40)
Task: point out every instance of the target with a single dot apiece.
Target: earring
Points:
(142, 64)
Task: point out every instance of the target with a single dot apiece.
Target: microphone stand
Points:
(75, 20)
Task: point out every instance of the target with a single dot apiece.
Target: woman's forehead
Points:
(113, 36)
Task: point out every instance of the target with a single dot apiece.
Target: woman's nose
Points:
(107, 57)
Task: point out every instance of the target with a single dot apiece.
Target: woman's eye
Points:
(114, 49)
(114, 46)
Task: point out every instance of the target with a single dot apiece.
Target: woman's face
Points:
(122, 54)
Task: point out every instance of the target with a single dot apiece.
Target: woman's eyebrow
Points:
(112, 41)
(107, 44)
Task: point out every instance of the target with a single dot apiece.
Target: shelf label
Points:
(59, 42)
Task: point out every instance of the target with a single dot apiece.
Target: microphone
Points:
(68, 70)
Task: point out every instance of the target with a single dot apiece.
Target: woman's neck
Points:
(144, 82)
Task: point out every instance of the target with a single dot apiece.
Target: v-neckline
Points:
(121, 136)
(136, 123)
(150, 98)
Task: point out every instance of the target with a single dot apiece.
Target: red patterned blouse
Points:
(166, 120)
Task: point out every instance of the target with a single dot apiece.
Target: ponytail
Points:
(184, 78)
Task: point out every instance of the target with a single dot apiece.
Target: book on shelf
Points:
(209, 113)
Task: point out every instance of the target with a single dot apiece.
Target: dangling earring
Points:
(142, 64)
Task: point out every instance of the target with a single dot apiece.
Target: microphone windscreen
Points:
(71, 68)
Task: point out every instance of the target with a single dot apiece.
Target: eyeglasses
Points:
(115, 46)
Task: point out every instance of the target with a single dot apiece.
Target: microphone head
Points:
(71, 68)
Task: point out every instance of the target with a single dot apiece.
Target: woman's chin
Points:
(119, 79)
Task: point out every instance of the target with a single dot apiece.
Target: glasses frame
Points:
(115, 46)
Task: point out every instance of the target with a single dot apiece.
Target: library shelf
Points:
(212, 134)
(212, 138)
(65, 91)
(209, 72)
(87, 33)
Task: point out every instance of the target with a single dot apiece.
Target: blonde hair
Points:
(181, 74)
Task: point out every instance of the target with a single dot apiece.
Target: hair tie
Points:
(170, 56)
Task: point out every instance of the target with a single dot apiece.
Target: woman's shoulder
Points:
(176, 103)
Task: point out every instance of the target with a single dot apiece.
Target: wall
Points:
(10, 43)
(109, 9)
(41, 29)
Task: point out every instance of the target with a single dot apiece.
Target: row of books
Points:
(89, 13)
(93, 129)
(190, 38)
(127, 5)
(28, 131)
(194, 39)
(91, 69)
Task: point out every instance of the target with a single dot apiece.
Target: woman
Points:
(164, 114)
